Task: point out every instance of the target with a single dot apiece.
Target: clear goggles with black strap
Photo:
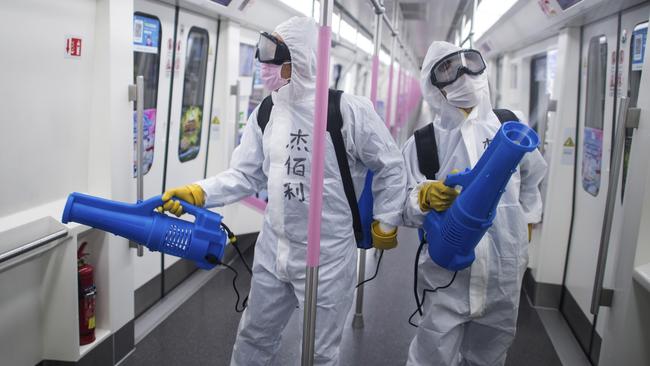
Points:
(454, 65)
(270, 50)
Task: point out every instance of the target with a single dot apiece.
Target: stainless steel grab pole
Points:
(309, 320)
(357, 320)
(139, 87)
(612, 187)
(235, 90)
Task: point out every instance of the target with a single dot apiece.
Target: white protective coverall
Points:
(474, 320)
(280, 160)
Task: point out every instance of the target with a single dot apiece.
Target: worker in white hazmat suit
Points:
(473, 321)
(279, 159)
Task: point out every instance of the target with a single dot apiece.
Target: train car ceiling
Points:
(532, 22)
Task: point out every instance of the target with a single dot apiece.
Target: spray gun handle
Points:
(189, 208)
(148, 206)
(462, 179)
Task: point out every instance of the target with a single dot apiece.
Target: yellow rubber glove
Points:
(191, 193)
(382, 240)
(530, 232)
(436, 195)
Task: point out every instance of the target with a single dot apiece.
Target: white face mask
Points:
(464, 92)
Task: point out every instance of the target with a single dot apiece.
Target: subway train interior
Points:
(536, 252)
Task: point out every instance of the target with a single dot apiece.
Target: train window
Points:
(565, 4)
(196, 63)
(594, 115)
(146, 62)
(637, 52)
(222, 2)
(537, 89)
(246, 59)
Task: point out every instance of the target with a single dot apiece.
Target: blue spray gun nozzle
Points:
(202, 241)
(454, 234)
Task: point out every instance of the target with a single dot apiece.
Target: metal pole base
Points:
(309, 322)
(357, 321)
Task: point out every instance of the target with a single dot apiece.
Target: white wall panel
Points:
(45, 100)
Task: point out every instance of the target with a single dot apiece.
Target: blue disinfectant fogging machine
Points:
(202, 241)
(453, 234)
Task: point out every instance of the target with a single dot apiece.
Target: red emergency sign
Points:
(73, 47)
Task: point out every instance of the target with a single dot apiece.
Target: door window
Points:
(594, 116)
(196, 63)
(637, 52)
(537, 89)
(146, 62)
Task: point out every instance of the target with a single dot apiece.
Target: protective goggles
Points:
(271, 51)
(454, 65)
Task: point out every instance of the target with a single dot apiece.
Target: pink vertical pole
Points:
(316, 183)
(318, 147)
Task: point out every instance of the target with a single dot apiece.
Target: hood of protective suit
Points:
(300, 34)
(450, 115)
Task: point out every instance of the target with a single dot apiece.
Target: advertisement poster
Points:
(148, 140)
(146, 32)
(638, 48)
(190, 133)
(592, 155)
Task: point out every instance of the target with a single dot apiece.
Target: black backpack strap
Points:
(264, 112)
(334, 127)
(427, 151)
(505, 115)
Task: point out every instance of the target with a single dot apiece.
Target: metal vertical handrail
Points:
(357, 320)
(139, 111)
(316, 183)
(610, 205)
(235, 90)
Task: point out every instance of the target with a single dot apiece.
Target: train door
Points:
(634, 25)
(631, 50)
(153, 33)
(196, 45)
(595, 126)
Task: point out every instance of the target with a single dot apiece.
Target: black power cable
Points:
(233, 241)
(381, 255)
(234, 286)
(212, 259)
(424, 295)
(415, 284)
(415, 276)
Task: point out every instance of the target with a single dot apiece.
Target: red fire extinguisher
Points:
(87, 295)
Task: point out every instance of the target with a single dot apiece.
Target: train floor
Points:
(201, 330)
